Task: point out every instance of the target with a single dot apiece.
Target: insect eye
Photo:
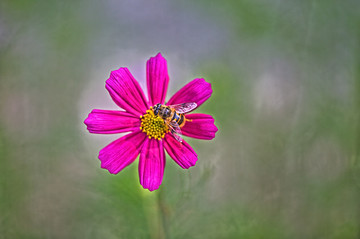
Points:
(156, 109)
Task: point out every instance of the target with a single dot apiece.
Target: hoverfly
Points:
(173, 116)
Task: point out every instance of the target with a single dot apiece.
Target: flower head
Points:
(151, 135)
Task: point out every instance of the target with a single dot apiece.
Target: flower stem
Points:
(163, 212)
(153, 207)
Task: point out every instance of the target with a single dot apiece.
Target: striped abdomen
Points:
(178, 118)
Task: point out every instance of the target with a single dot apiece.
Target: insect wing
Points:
(175, 130)
(184, 107)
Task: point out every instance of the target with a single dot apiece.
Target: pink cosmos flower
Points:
(149, 141)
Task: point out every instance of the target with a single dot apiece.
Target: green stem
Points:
(163, 212)
(356, 163)
(155, 215)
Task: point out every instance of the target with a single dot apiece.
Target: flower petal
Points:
(157, 79)
(111, 122)
(201, 126)
(126, 92)
(152, 164)
(181, 153)
(197, 91)
(122, 152)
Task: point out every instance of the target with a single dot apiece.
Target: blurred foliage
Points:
(286, 79)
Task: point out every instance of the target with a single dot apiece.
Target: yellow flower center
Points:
(153, 125)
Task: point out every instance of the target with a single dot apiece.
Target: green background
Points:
(286, 80)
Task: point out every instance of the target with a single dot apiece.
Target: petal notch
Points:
(152, 164)
(122, 152)
(200, 126)
(111, 122)
(197, 91)
(181, 153)
(126, 92)
(157, 79)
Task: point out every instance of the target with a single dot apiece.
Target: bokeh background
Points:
(286, 79)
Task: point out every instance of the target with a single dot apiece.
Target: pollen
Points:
(153, 125)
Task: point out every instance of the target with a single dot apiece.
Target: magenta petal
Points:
(200, 126)
(111, 122)
(181, 153)
(126, 92)
(157, 79)
(152, 164)
(122, 152)
(197, 91)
